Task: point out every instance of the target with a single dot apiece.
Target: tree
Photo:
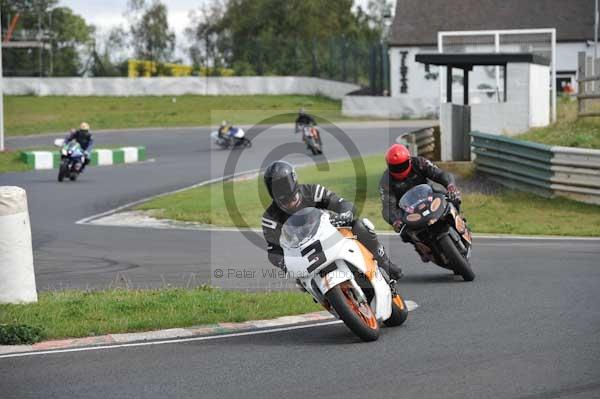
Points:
(151, 37)
(64, 36)
(292, 37)
(204, 35)
(110, 53)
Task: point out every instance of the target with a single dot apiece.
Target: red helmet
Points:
(398, 161)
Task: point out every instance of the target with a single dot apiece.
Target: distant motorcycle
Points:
(311, 137)
(433, 223)
(235, 138)
(72, 158)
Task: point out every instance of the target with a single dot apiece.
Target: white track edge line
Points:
(171, 341)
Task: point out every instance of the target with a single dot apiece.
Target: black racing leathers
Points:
(392, 190)
(305, 119)
(83, 137)
(312, 195)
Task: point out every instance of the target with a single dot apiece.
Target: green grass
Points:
(506, 212)
(81, 314)
(568, 131)
(10, 161)
(30, 114)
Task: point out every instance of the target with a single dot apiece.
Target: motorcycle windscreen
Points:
(300, 227)
(415, 196)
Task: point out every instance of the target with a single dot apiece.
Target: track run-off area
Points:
(527, 327)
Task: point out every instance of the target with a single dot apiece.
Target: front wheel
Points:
(63, 170)
(399, 312)
(358, 317)
(459, 263)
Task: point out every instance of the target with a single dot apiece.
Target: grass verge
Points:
(11, 161)
(80, 314)
(568, 131)
(31, 115)
(506, 212)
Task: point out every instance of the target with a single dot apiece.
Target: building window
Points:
(403, 73)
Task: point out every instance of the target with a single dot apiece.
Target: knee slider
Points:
(369, 225)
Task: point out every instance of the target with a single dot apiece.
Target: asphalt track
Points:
(528, 327)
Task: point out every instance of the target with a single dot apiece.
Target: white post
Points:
(595, 35)
(17, 278)
(441, 70)
(497, 50)
(1, 93)
(553, 75)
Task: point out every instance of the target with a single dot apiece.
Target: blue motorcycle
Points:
(72, 159)
(234, 138)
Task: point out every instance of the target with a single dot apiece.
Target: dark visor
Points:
(399, 168)
(283, 188)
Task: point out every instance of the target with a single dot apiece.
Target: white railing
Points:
(496, 45)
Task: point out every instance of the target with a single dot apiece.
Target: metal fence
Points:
(588, 81)
(541, 169)
(423, 142)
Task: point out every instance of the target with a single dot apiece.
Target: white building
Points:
(417, 23)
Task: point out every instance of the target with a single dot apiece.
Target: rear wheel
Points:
(399, 312)
(459, 264)
(358, 317)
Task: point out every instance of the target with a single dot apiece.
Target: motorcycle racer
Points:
(85, 140)
(289, 196)
(403, 173)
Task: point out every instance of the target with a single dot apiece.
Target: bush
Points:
(19, 334)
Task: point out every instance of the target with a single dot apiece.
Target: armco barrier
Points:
(538, 168)
(422, 142)
(51, 159)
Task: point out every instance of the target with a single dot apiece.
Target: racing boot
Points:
(423, 251)
(384, 262)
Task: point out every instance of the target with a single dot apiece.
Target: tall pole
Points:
(594, 72)
(1, 93)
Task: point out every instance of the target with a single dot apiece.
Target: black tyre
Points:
(63, 170)
(73, 176)
(458, 262)
(359, 318)
(399, 312)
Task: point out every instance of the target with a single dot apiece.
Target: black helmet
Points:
(282, 184)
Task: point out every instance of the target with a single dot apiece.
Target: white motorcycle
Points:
(235, 138)
(340, 273)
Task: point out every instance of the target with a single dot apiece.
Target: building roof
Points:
(469, 60)
(417, 22)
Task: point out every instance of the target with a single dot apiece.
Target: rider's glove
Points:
(398, 225)
(341, 219)
(453, 193)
